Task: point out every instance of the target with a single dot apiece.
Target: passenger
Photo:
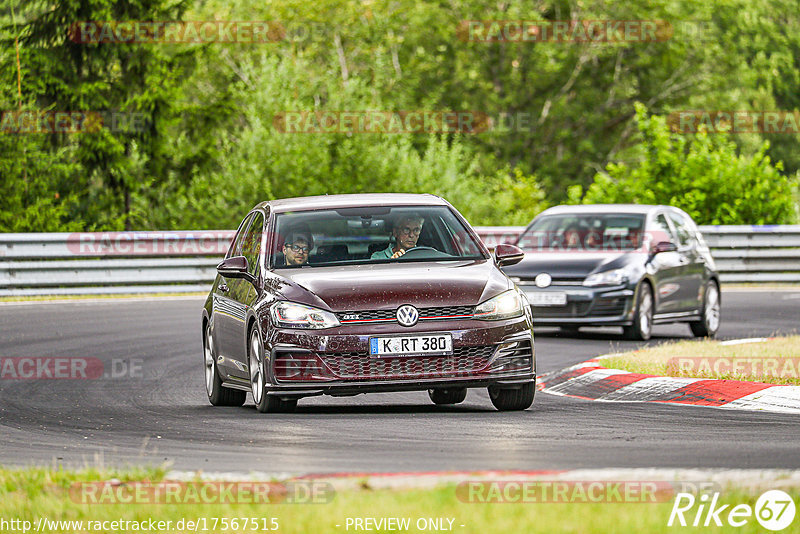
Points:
(572, 237)
(296, 246)
(406, 232)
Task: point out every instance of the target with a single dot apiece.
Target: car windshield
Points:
(366, 235)
(588, 232)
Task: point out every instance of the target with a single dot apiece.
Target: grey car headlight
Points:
(294, 315)
(607, 278)
(504, 306)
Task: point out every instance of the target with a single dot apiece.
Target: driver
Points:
(296, 247)
(406, 232)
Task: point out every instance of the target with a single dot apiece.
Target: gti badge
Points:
(407, 315)
(543, 280)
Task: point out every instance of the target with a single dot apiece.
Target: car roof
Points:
(604, 208)
(352, 201)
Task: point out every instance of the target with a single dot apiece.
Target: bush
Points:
(702, 174)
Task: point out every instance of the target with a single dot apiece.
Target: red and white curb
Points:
(591, 381)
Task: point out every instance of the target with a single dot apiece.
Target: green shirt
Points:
(385, 254)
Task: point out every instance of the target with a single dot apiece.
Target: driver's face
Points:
(406, 233)
(296, 253)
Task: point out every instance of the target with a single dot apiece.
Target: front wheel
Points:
(508, 399)
(258, 383)
(642, 326)
(709, 324)
(217, 395)
(447, 396)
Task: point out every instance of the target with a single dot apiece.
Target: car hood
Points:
(387, 286)
(570, 265)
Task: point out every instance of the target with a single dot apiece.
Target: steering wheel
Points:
(436, 253)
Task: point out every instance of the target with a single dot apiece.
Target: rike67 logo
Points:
(774, 510)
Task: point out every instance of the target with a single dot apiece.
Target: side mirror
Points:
(505, 254)
(235, 267)
(663, 246)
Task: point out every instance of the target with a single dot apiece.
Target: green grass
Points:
(28, 494)
(783, 353)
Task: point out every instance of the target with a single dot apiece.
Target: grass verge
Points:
(30, 494)
(774, 361)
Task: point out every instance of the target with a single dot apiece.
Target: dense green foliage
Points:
(211, 149)
(702, 174)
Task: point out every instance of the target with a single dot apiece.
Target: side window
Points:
(685, 234)
(251, 247)
(236, 247)
(660, 230)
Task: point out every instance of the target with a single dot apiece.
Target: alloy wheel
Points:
(256, 367)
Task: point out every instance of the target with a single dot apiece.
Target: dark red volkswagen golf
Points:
(349, 294)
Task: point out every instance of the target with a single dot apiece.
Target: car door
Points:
(693, 262)
(245, 293)
(227, 313)
(665, 267)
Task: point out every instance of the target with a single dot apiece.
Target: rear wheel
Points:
(217, 395)
(642, 326)
(258, 366)
(508, 399)
(447, 396)
(709, 324)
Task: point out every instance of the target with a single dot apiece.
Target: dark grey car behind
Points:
(618, 264)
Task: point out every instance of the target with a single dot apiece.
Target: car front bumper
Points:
(611, 306)
(337, 363)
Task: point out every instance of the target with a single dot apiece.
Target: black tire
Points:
(507, 399)
(447, 396)
(708, 326)
(642, 327)
(217, 394)
(258, 384)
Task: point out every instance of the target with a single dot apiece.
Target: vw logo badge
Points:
(543, 280)
(407, 315)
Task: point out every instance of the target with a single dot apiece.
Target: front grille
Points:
(572, 309)
(465, 361)
(425, 314)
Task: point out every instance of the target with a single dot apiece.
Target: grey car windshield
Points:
(366, 235)
(584, 232)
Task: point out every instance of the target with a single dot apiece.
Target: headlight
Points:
(607, 278)
(503, 306)
(293, 315)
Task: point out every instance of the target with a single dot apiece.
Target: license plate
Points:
(433, 344)
(547, 298)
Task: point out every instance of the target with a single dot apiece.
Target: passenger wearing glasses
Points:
(406, 232)
(296, 247)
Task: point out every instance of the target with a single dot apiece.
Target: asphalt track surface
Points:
(162, 416)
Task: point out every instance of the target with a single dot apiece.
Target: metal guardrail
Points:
(147, 262)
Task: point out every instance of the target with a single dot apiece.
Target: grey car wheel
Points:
(709, 324)
(642, 327)
(258, 365)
